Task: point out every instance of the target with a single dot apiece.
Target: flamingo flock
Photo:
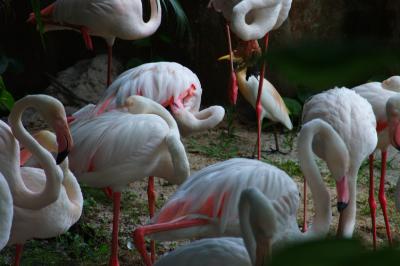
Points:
(241, 210)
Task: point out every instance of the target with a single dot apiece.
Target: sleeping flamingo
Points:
(54, 219)
(272, 105)
(105, 18)
(206, 204)
(53, 113)
(258, 223)
(121, 146)
(169, 84)
(352, 118)
(386, 105)
(6, 212)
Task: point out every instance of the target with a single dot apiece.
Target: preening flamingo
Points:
(120, 147)
(169, 84)
(272, 105)
(258, 223)
(206, 204)
(109, 19)
(53, 113)
(352, 118)
(386, 106)
(54, 219)
(6, 212)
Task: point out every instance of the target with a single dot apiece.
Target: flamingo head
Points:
(55, 114)
(393, 116)
(343, 194)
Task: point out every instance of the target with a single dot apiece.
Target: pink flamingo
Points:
(169, 84)
(250, 20)
(385, 104)
(124, 145)
(206, 204)
(105, 18)
(57, 217)
(352, 118)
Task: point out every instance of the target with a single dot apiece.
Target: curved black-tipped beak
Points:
(341, 206)
(61, 156)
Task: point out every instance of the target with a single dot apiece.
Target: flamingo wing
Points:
(6, 212)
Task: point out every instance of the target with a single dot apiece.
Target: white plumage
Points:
(351, 116)
(6, 211)
(252, 19)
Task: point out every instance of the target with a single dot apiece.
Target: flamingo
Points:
(105, 18)
(6, 211)
(352, 118)
(169, 84)
(53, 112)
(272, 105)
(251, 20)
(385, 104)
(392, 83)
(258, 222)
(122, 146)
(206, 204)
(54, 219)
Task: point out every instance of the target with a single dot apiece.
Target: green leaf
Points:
(36, 10)
(6, 99)
(182, 22)
(293, 105)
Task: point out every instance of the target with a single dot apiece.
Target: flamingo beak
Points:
(64, 141)
(343, 194)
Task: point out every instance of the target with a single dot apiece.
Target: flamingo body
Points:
(6, 211)
(351, 116)
(252, 19)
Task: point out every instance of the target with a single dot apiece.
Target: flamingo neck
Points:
(141, 29)
(320, 194)
(23, 197)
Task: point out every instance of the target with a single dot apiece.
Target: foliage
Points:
(182, 22)
(6, 99)
(333, 252)
(39, 22)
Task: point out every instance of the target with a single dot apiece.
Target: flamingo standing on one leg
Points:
(351, 116)
(6, 211)
(206, 204)
(54, 219)
(251, 20)
(272, 105)
(121, 146)
(386, 106)
(259, 224)
(105, 18)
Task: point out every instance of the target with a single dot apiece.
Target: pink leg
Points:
(109, 65)
(258, 102)
(305, 206)
(114, 246)
(371, 200)
(18, 254)
(382, 197)
(151, 195)
(140, 232)
(233, 81)
(86, 37)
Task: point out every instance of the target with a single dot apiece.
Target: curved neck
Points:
(23, 197)
(73, 190)
(320, 194)
(143, 29)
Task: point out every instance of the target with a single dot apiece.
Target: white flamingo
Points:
(54, 219)
(169, 84)
(109, 19)
(258, 223)
(206, 204)
(122, 146)
(6, 212)
(386, 105)
(351, 116)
